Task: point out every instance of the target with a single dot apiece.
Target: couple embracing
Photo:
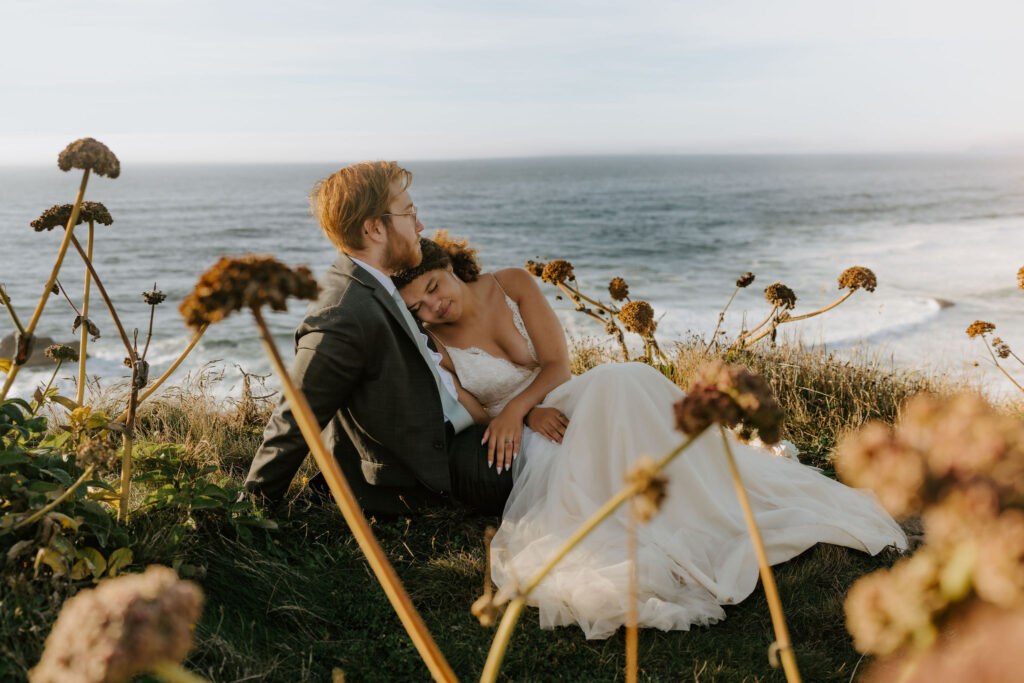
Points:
(433, 381)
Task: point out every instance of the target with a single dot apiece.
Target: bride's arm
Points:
(553, 357)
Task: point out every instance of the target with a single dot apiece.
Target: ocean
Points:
(943, 234)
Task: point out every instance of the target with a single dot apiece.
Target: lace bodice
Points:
(494, 381)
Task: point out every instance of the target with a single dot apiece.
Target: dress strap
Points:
(436, 339)
(499, 286)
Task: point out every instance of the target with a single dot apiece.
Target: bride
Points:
(504, 344)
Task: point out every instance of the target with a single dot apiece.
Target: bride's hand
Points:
(503, 437)
(548, 422)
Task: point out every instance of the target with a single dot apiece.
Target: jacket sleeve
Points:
(328, 364)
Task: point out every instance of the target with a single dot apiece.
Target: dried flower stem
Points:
(382, 569)
(572, 291)
(169, 672)
(48, 385)
(995, 361)
(126, 453)
(771, 328)
(785, 647)
(632, 637)
(38, 514)
(10, 309)
(31, 327)
(575, 297)
(167, 373)
(106, 299)
(508, 621)
(741, 340)
(83, 341)
(721, 319)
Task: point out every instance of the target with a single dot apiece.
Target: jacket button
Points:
(438, 445)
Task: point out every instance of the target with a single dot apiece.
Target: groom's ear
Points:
(373, 229)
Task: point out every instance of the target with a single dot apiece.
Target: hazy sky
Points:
(259, 80)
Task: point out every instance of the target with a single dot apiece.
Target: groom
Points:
(386, 407)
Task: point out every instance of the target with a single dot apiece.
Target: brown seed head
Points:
(888, 608)
(535, 268)
(91, 154)
(248, 281)
(58, 215)
(979, 327)
(874, 458)
(94, 451)
(90, 326)
(745, 280)
(154, 297)
(779, 294)
(858, 277)
(120, 628)
(638, 316)
(618, 289)
(1020, 278)
(611, 328)
(557, 271)
(61, 353)
(729, 395)
(1001, 348)
(652, 487)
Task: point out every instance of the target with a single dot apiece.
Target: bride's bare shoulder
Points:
(515, 281)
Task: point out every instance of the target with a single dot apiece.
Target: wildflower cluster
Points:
(121, 628)
(960, 465)
(745, 280)
(618, 289)
(780, 295)
(61, 353)
(638, 316)
(88, 153)
(58, 215)
(729, 395)
(979, 327)
(247, 281)
(557, 271)
(652, 487)
(858, 277)
(154, 297)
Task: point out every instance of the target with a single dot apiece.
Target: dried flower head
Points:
(729, 395)
(535, 268)
(557, 271)
(1001, 348)
(891, 607)
(88, 153)
(652, 487)
(96, 451)
(1020, 278)
(121, 628)
(618, 289)
(55, 289)
(248, 281)
(638, 316)
(611, 328)
(979, 327)
(154, 297)
(874, 458)
(58, 215)
(745, 280)
(61, 353)
(90, 326)
(779, 294)
(858, 277)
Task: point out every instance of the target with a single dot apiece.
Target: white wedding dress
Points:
(695, 555)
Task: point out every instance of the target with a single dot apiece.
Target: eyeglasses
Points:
(411, 214)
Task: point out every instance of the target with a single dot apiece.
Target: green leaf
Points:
(55, 440)
(12, 458)
(97, 519)
(119, 559)
(203, 502)
(5, 365)
(59, 474)
(36, 424)
(91, 560)
(52, 559)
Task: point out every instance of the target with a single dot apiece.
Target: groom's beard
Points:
(400, 254)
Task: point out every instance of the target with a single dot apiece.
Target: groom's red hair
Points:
(343, 201)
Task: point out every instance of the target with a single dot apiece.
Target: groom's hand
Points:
(548, 422)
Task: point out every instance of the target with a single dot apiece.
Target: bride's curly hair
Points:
(440, 252)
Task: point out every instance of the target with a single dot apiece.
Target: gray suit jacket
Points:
(372, 394)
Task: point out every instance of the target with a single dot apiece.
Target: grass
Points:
(295, 603)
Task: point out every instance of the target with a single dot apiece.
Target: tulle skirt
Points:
(695, 555)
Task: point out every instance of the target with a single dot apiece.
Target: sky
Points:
(302, 81)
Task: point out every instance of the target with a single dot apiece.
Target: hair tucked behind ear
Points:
(441, 252)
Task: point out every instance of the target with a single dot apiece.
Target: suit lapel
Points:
(346, 266)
